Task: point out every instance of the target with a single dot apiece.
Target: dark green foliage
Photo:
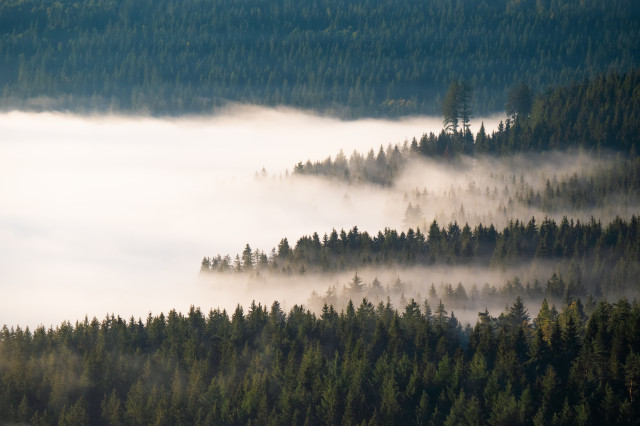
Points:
(596, 248)
(519, 101)
(365, 365)
(351, 58)
(600, 115)
(451, 107)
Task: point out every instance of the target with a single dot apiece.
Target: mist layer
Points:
(107, 214)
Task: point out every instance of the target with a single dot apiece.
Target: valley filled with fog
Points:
(109, 214)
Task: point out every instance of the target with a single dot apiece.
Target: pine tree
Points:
(440, 315)
(465, 100)
(356, 285)
(247, 258)
(518, 314)
(451, 107)
(519, 102)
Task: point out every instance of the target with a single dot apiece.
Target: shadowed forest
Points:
(369, 58)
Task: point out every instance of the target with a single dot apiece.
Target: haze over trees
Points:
(579, 253)
(597, 259)
(352, 59)
(373, 349)
(584, 260)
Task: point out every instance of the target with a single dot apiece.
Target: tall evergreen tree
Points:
(519, 102)
(451, 107)
(465, 100)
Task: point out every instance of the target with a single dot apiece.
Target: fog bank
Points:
(493, 190)
(112, 214)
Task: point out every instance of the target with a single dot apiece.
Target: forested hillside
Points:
(371, 57)
(598, 115)
(477, 208)
(365, 365)
(597, 259)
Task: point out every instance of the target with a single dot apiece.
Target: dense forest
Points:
(365, 365)
(597, 259)
(541, 213)
(559, 119)
(492, 372)
(373, 57)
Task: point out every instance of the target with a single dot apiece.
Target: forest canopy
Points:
(366, 364)
(365, 58)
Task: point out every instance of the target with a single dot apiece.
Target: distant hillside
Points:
(364, 58)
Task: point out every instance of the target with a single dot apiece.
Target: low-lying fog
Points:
(489, 190)
(113, 215)
(396, 285)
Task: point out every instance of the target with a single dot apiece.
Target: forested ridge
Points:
(366, 58)
(603, 259)
(599, 115)
(567, 261)
(364, 365)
